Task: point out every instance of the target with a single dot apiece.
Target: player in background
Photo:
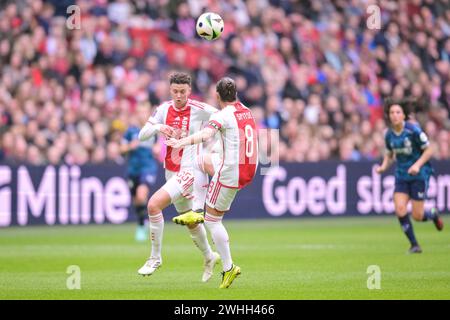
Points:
(232, 172)
(186, 184)
(141, 167)
(410, 146)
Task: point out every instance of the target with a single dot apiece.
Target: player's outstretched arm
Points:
(199, 137)
(387, 162)
(150, 129)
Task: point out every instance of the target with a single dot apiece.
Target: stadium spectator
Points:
(317, 63)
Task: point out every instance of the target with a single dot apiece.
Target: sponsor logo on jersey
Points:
(423, 137)
(405, 149)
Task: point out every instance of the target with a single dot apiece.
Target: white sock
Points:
(220, 237)
(199, 189)
(156, 233)
(200, 238)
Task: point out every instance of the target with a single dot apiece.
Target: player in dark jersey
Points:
(409, 145)
(141, 167)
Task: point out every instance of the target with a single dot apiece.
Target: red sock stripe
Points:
(156, 218)
(212, 218)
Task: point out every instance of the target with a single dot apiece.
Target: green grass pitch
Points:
(288, 259)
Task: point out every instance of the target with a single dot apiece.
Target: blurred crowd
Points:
(312, 69)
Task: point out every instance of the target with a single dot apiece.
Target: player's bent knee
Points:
(400, 211)
(142, 194)
(417, 215)
(401, 214)
(141, 200)
(159, 201)
(153, 208)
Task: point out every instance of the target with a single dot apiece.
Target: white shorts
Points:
(216, 160)
(219, 196)
(179, 186)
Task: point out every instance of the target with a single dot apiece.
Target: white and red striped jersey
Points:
(239, 143)
(188, 120)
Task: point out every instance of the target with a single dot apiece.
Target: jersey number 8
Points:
(248, 141)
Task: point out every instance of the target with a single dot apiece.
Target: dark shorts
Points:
(416, 189)
(144, 178)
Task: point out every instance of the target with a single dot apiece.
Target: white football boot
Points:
(150, 266)
(209, 266)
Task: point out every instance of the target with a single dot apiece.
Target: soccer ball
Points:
(209, 26)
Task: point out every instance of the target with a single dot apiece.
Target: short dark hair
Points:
(406, 105)
(180, 78)
(226, 88)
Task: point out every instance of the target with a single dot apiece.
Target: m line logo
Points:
(60, 195)
(5, 196)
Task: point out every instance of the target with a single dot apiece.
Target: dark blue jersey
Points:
(140, 159)
(407, 147)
